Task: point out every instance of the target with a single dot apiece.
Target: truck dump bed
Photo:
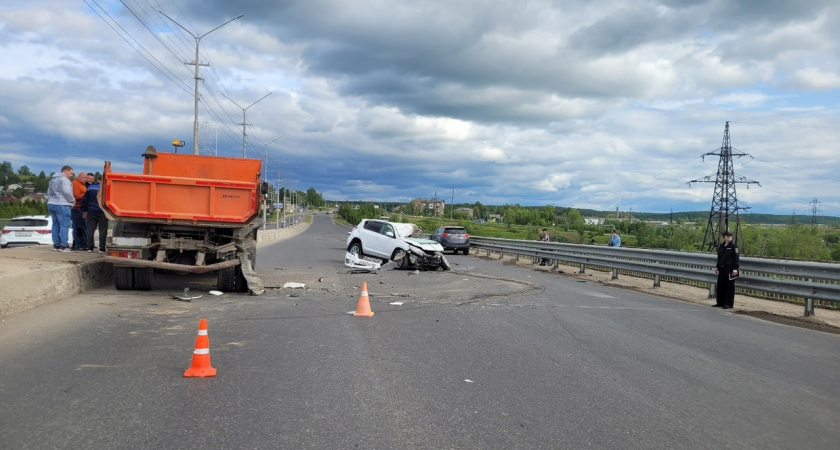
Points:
(184, 189)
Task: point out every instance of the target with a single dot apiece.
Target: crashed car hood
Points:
(425, 244)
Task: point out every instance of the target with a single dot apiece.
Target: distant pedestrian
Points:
(79, 225)
(726, 270)
(615, 239)
(94, 217)
(59, 202)
(544, 238)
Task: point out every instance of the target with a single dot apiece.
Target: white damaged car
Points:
(398, 242)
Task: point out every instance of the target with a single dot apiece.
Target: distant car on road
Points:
(453, 238)
(393, 241)
(29, 230)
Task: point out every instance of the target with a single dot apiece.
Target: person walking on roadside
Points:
(79, 226)
(615, 239)
(59, 202)
(94, 218)
(544, 238)
(726, 270)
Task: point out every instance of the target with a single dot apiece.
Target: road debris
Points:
(293, 285)
(186, 297)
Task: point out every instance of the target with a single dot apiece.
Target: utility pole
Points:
(452, 207)
(244, 122)
(264, 171)
(724, 202)
(197, 64)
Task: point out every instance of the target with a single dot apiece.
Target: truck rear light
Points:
(119, 254)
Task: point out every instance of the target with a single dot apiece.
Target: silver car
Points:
(453, 238)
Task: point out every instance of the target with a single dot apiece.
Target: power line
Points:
(183, 85)
(793, 113)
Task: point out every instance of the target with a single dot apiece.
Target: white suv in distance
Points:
(29, 230)
(392, 241)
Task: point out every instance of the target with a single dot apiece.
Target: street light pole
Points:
(265, 176)
(197, 64)
(244, 123)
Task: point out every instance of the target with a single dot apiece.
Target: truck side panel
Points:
(179, 189)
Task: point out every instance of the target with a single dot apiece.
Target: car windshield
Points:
(27, 223)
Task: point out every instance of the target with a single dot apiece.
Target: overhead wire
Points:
(175, 81)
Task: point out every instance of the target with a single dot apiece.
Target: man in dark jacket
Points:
(726, 270)
(94, 216)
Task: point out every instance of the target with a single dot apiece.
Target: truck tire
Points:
(144, 278)
(241, 282)
(226, 279)
(124, 278)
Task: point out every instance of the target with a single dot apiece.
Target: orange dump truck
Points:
(184, 213)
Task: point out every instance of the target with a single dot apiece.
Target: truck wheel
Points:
(241, 282)
(123, 278)
(144, 278)
(226, 279)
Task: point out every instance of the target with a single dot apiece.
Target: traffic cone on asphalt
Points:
(363, 307)
(201, 355)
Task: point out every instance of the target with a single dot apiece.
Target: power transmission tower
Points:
(725, 201)
(814, 212)
(793, 218)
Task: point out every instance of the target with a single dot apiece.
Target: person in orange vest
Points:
(79, 226)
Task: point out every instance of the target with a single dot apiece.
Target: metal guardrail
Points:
(797, 279)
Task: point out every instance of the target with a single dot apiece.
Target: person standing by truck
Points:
(79, 226)
(94, 218)
(59, 201)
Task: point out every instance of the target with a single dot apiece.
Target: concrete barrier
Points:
(35, 275)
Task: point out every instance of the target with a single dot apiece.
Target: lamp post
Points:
(197, 64)
(244, 123)
(265, 175)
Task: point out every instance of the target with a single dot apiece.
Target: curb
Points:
(33, 276)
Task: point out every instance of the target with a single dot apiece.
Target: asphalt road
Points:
(486, 356)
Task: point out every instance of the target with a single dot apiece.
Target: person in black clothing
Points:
(726, 270)
(95, 217)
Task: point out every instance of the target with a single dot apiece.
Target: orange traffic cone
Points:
(363, 307)
(201, 355)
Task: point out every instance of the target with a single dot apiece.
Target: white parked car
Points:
(29, 230)
(392, 241)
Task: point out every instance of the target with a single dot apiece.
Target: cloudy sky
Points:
(598, 104)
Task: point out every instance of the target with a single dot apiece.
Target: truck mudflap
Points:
(255, 284)
(125, 262)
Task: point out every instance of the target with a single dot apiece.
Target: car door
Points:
(387, 240)
(371, 237)
(437, 233)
